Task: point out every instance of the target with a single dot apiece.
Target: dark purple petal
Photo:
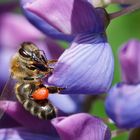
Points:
(86, 67)
(122, 105)
(43, 25)
(81, 126)
(23, 134)
(53, 49)
(69, 17)
(24, 118)
(130, 62)
(7, 122)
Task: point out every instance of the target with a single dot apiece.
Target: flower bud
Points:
(122, 105)
(130, 62)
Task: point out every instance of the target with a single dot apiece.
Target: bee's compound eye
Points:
(40, 94)
(23, 53)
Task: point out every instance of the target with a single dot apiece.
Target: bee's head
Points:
(30, 52)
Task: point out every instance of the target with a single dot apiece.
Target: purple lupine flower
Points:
(42, 25)
(13, 121)
(30, 127)
(87, 65)
(130, 62)
(9, 44)
(77, 127)
(122, 103)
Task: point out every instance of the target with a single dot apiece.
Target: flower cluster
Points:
(85, 68)
(124, 96)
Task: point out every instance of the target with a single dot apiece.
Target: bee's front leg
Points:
(53, 61)
(54, 89)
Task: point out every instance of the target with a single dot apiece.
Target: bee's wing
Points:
(7, 94)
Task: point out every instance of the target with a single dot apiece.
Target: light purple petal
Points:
(22, 134)
(43, 25)
(69, 17)
(10, 24)
(81, 126)
(5, 57)
(130, 62)
(67, 103)
(122, 105)
(24, 118)
(86, 67)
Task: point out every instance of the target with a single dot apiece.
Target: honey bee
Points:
(29, 66)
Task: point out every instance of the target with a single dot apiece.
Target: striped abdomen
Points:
(43, 109)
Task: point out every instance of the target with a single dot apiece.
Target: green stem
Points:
(125, 11)
(118, 132)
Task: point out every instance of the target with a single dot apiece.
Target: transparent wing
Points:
(7, 94)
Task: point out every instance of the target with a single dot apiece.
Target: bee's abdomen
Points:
(42, 109)
(45, 111)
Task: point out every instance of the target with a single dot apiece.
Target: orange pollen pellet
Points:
(40, 94)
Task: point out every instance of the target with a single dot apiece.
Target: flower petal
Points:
(67, 103)
(7, 122)
(43, 25)
(24, 118)
(52, 49)
(86, 67)
(81, 126)
(130, 62)
(69, 17)
(122, 105)
(21, 133)
(10, 24)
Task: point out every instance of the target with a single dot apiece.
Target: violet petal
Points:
(8, 122)
(24, 118)
(81, 126)
(43, 25)
(10, 24)
(122, 105)
(23, 134)
(130, 62)
(53, 49)
(69, 17)
(86, 67)
(67, 103)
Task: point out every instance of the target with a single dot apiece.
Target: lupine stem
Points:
(125, 11)
(118, 132)
(107, 120)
